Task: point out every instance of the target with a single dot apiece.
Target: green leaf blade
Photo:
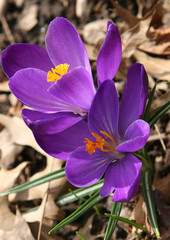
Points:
(80, 193)
(148, 106)
(116, 209)
(95, 198)
(46, 178)
(149, 201)
(158, 114)
(127, 221)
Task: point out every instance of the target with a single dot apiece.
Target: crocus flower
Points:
(57, 83)
(115, 134)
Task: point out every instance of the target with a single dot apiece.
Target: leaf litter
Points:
(145, 35)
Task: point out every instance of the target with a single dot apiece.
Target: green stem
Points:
(146, 181)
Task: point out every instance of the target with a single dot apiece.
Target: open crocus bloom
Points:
(115, 134)
(57, 83)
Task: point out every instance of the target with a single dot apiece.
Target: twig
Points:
(7, 29)
(44, 202)
(160, 137)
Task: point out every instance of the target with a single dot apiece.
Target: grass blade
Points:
(95, 198)
(116, 209)
(46, 178)
(148, 106)
(149, 201)
(158, 114)
(81, 235)
(80, 192)
(127, 221)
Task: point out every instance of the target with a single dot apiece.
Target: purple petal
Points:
(61, 144)
(110, 54)
(75, 88)
(134, 97)
(135, 137)
(65, 45)
(49, 123)
(104, 111)
(83, 169)
(30, 87)
(123, 176)
(24, 55)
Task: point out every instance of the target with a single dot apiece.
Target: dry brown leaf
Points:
(160, 101)
(158, 49)
(19, 231)
(9, 150)
(139, 215)
(81, 6)
(8, 221)
(127, 16)
(95, 31)
(20, 133)
(163, 215)
(3, 6)
(163, 185)
(133, 37)
(4, 87)
(91, 52)
(157, 67)
(28, 19)
(48, 209)
(10, 176)
(86, 230)
(55, 187)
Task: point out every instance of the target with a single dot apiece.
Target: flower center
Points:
(101, 143)
(57, 72)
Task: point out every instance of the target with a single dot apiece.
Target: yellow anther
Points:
(105, 146)
(57, 72)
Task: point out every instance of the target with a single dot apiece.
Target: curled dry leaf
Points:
(4, 87)
(81, 8)
(9, 150)
(55, 187)
(163, 212)
(95, 31)
(157, 67)
(19, 231)
(163, 185)
(128, 17)
(3, 6)
(28, 19)
(139, 215)
(20, 133)
(10, 176)
(10, 224)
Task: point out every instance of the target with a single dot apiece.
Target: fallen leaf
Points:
(163, 185)
(95, 31)
(157, 67)
(4, 87)
(20, 133)
(28, 19)
(127, 16)
(9, 150)
(19, 231)
(9, 223)
(11, 176)
(55, 187)
(158, 49)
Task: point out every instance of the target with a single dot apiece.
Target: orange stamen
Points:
(101, 143)
(57, 72)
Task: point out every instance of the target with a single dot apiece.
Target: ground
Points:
(145, 34)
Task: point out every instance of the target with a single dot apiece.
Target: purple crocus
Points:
(57, 83)
(115, 134)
